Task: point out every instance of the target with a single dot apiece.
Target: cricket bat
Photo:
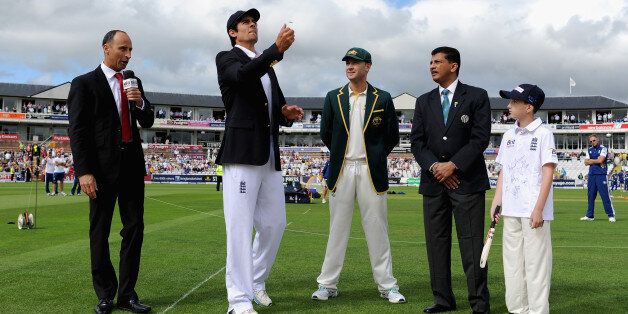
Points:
(489, 240)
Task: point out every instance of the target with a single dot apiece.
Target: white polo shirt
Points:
(50, 165)
(61, 167)
(522, 154)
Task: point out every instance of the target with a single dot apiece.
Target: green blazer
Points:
(381, 133)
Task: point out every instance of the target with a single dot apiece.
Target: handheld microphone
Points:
(130, 81)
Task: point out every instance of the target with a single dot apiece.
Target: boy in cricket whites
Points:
(528, 158)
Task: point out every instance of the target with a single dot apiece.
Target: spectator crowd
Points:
(21, 164)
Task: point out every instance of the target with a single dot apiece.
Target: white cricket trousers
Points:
(353, 182)
(527, 255)
(253, 198)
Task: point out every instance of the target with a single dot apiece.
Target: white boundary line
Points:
(193, 289)
(306, 211)
(184, 207)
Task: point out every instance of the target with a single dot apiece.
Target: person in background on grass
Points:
(597, 182)
(76, 186)
(218, 177)
(614, 181)
(35, 153)
(49, 165)
(27, 173)
(59, 172)
(325, 175)
(527, 157)
(12, 171)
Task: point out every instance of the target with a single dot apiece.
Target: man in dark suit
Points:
(109, 162)
(450, 131)
(253, 192)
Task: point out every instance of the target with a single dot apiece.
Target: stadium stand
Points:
(189, 128)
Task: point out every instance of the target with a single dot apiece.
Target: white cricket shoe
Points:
(249, 311)
(262, 298)
(63, 194)
(324, 293)
(324, 201)
(393, 296)
(585, 218)
(611, 219)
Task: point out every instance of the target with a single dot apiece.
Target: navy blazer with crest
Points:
(462, 140)
(95, 129)
(248, 127)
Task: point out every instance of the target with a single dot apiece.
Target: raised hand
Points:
(285, 38)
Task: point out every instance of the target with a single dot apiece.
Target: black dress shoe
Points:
(437, 308)
(133, 305)
(104, 306)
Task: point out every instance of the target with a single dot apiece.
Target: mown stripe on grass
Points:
(456, 243)
(24, 259)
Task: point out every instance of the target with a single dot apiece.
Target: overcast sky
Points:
(502, 43)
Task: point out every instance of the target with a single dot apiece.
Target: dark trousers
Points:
(76, 186)
(468, 211)
(218, 181)
(49, 178)
(129, 192)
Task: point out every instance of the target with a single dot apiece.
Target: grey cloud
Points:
(582, 34)
(175, 44)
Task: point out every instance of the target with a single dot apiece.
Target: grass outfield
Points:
(47, 269)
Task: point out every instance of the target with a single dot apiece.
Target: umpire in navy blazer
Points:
(451, 129)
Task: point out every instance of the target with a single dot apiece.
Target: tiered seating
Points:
(573, 168)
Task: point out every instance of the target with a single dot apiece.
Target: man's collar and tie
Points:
(124, 112)
(115, 84)
(445, 104)
(446, 96)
